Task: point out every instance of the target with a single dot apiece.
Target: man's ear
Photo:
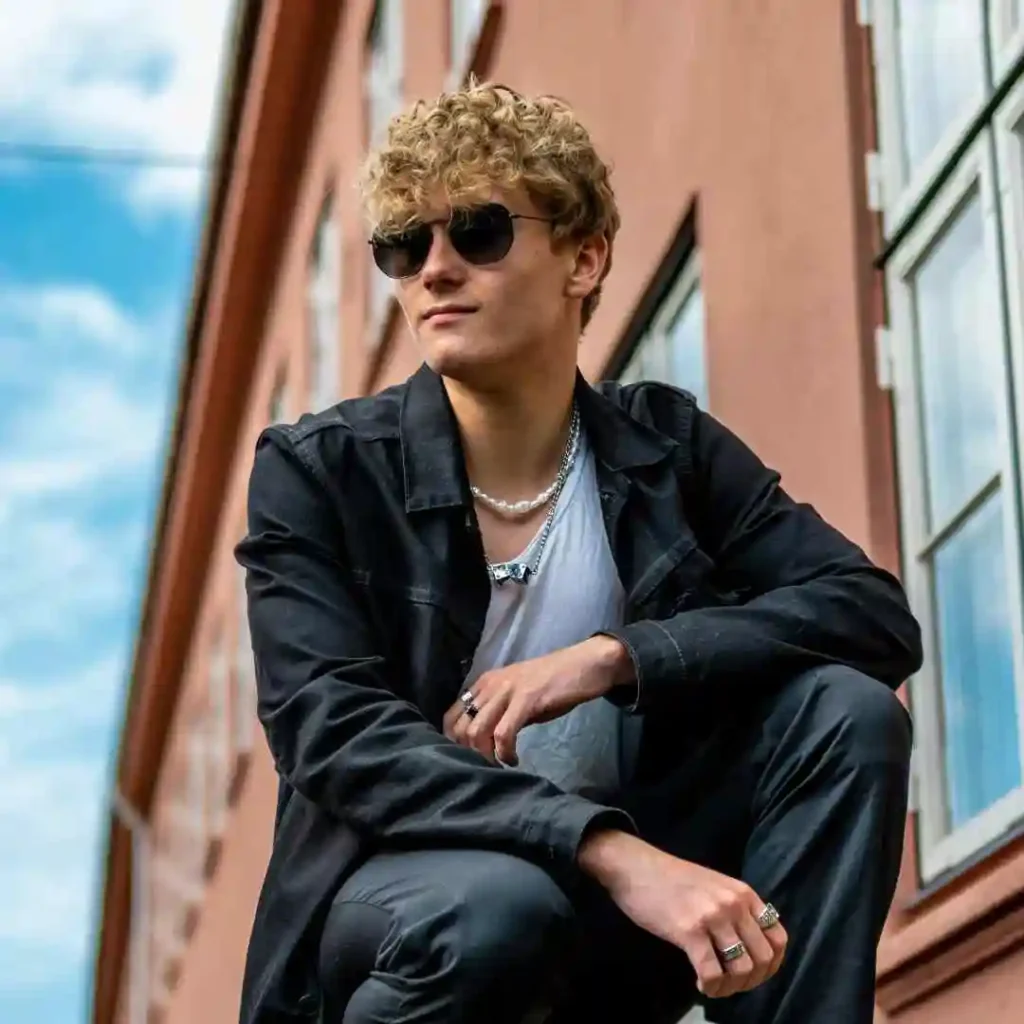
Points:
(588, 270)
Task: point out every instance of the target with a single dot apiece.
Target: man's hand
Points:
(510, 698)
(696, 909)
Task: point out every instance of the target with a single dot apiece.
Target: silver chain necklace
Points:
(520, 572)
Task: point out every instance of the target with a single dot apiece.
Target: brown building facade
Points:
(823, 207)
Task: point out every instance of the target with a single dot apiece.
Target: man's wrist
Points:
(612, 661)
(604, 853)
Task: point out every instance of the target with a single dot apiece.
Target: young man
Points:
(577, 713)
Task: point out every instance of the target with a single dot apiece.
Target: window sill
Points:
(969, 916)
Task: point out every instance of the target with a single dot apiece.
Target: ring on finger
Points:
(768, 918)
(469, 705)
(733, 952)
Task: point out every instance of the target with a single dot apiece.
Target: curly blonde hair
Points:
(485, 135)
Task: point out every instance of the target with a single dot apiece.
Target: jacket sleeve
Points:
(808, 596)
(337, 731)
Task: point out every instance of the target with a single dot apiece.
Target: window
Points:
(195, 810)
(1007, 26)
(954, 284)
(244, 702)
(931, 63)
(324, 299)
(384, 98)
(278, 409)
(384, 91)
(219, 735)
(673, 349)
(465, 19)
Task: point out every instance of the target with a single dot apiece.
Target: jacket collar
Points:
(433, 465)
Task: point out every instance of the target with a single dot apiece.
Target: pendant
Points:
(503, 572)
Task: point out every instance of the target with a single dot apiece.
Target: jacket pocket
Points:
(677, 579)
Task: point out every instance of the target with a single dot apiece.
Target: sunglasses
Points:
(479, 234)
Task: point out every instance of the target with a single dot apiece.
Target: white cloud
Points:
(130, 74)
(57, 709)
(49, 805)
(61, 577)
(101, 416)
(85, 425)
(55, 311)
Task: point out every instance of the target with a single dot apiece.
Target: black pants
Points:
(803, 796)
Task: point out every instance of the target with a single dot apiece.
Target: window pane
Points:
(959, 347)
(384, 74)
(324, 298)
(244, 704)
(976, 657)
(674, 352)
(941, 69)
(686, 347)
(1010, 15)
(277, 405)
(465, 20)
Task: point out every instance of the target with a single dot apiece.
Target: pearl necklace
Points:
(520, 572)
(515, 509)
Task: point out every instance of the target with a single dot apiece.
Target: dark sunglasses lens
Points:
(402, 255)
(482, 234)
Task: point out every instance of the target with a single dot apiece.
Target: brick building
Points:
(823, 208)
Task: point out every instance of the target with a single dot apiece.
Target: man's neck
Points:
(513, 439)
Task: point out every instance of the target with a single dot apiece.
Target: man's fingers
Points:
(479, 728)
(705, 962)
(505, 733)
(777, 938)
(737, 968)
(760, 950)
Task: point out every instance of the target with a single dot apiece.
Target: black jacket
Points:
(367, 596)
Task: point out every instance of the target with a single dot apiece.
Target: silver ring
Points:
(469, 707)
(768, 918)
(733, 952)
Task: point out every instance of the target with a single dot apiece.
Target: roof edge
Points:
(240, 47)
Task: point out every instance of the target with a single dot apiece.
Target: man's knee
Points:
(475, 928)
(509, 919)
(857, 717)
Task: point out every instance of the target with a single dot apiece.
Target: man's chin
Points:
(458, 360)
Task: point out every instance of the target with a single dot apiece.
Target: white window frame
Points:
(385, 96)
(938, 849)
(1006, 45)
(219, 735)
(1009, 135)
(278, 409)
(902, 194)
(195, 820)
(385, 88)
(470, 15)
(381, 295)
(655, 345)
(324, 307)
(243, 704)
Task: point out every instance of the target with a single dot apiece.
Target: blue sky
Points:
(95, 274)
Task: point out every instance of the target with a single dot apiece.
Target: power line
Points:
(53, 153)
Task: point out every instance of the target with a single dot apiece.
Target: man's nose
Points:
(444, 266)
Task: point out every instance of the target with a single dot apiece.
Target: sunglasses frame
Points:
(378, 242)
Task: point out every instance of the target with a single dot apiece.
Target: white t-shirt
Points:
(574, 593)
